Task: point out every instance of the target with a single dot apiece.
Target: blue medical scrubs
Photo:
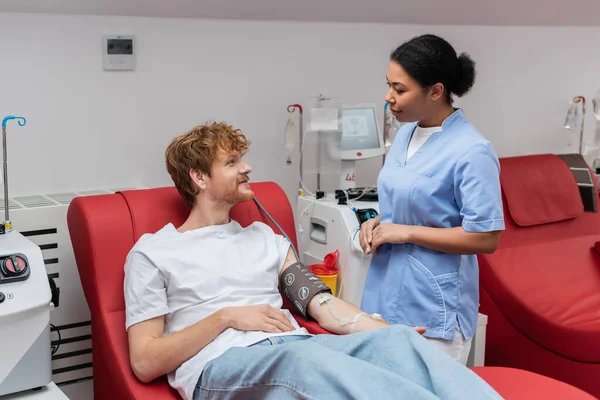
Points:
(451, 181)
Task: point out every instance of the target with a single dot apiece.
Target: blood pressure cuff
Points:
(300, 285)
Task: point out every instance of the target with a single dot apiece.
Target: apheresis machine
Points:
(25, 303)
(329, 220)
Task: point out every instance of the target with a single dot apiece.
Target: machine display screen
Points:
(359, 129)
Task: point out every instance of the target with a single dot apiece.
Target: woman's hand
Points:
(366, 233)
(389, 233)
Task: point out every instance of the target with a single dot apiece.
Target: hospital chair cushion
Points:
(149, 214)
(539, 189)
(550, 287)
(528, 385)
(515, 236)
(101, 241)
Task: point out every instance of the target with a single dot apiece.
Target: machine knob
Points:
(2, 297)
(14, 266)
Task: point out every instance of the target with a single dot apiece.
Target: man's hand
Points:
(262, 317)
(420, 330)
(366, 233)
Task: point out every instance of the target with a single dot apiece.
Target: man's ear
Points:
(199, 178)
(436, 91)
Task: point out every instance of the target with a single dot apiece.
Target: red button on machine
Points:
(21, 264)
(9, 266)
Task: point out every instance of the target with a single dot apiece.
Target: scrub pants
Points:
(458, 348)
(394, 362)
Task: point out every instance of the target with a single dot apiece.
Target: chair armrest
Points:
(311, 326)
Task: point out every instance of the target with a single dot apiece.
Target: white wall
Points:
(89, 129)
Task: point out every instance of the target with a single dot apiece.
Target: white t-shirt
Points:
(188, 276)
(419, 137)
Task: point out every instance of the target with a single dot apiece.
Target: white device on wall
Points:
(361, 140)
(119, 52)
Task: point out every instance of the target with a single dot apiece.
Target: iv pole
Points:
(320, 99)
(291, 108)
(7, 226)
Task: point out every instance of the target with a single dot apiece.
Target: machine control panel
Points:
(357, 194)
(365, 214)
(13, 268)
(363, 194)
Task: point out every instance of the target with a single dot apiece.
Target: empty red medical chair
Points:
(541, 288)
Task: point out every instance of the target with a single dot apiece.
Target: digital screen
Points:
(120, 46)
(359, 129)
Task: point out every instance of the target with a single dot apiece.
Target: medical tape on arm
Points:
(345, 321)
(300, 285)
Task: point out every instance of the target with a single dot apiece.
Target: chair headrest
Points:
(152, 209)
(539, 189)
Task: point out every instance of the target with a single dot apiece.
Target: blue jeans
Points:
(388, 363)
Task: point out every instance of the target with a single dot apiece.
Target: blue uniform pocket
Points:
(428, 300)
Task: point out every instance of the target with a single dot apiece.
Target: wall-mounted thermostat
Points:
(118, 52)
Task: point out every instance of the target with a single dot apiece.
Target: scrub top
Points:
(452, 180)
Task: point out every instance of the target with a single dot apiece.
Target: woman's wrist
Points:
(377, 221)
(409, 233)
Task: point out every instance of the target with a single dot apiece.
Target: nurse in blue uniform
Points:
(439, 198)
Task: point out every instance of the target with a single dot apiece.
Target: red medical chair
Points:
(541, 288)
(104, 228)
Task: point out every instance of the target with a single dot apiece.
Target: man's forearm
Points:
(337, 315)
(160, 356)
(333, 315)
